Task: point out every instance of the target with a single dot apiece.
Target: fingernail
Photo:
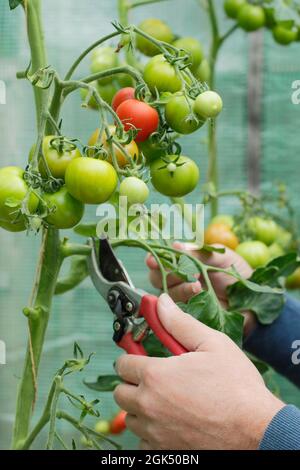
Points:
(166, 301)
(196, 287)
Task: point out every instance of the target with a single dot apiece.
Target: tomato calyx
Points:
(61, 144)
(171, 165)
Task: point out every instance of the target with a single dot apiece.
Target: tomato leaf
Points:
(262, 293)
(206, 309)
(14, 3)
(104, 383)
(154, 347)
(187, 269)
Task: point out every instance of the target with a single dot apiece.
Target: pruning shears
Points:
(134, 310)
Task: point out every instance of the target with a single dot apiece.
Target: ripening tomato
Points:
(158, 30)
(172, 180)
(256, 253)
(13, 190)
(161, 76)
(91, 181)
(220, 233)
(131, 148)
(284, 35)
(232, 7)
(134, 189)
(251, 17)
(66, 211)
(194, 50)
(118, 424)
(208, 105)
(223, 219)
(203, 72)
(264, 230)
(122, 95)
(180, 117)
(104, 58)
(135, 114)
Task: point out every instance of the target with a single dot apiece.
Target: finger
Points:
(156, 279)
(125, 396)
(144, 445)
(130, 367)
(191, 333)
(136, 425)
(183, 292)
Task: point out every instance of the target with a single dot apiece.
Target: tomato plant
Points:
(208, 105)
(91, 181)
(158, 30)
(65, 211)
(118, 424)
(264, 230)
(134, 189)
(180, 116)
(138, 116)
(256, 253)
(160, 75)
(284, 35)
(221, 234)
(174, 176)
(251, 17)
(103, 59)
(123, 153)
(193, 48)
(122, 95)
(232, 7)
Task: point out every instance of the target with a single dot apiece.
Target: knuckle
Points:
(150, 375)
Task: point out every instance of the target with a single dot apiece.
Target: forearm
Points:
(276, 344)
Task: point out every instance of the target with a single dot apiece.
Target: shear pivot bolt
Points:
(129, 307)
(117, 326)
(111, 299)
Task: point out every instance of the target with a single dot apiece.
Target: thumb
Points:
(188, 331)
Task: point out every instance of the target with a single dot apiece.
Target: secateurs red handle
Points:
(148, 310)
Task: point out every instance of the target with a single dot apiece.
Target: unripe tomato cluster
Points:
(263, 241)
(251, 17)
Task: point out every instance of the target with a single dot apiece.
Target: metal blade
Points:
(110, 267)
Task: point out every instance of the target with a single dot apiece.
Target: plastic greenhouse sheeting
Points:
(81, 316)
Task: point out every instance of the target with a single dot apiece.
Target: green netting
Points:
(81, 315)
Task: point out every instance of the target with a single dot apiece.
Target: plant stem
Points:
(47, 273)
(36, 42)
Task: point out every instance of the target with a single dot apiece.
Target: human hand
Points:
(210, 398)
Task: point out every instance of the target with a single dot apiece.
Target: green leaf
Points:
(206, 309)
(187, 269)
(262, 293)
(154, 347)
(213, 249)
(105, 383)
(261, 366)
(77, 273)
(14, 3)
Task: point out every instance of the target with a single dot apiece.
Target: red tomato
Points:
(122, 95)
(138, 115)
(118, 424)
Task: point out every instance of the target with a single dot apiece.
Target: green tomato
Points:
(179, 115)
(251, 17)
(66, 211)
(193, 48)
(264, 230)
(275, 251)
(13, 190)
(150, 150)
(134, 189)
(58, 155)
(293, 281)
(208, 105)
(283, 35)
(223, 219)
(104, 58)
(256, 253)
(161, 75)
(232, 7)
(177, 183)
(158, 30)
(284, 238)
(102, 427)
(203, 72)
(91, 181)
